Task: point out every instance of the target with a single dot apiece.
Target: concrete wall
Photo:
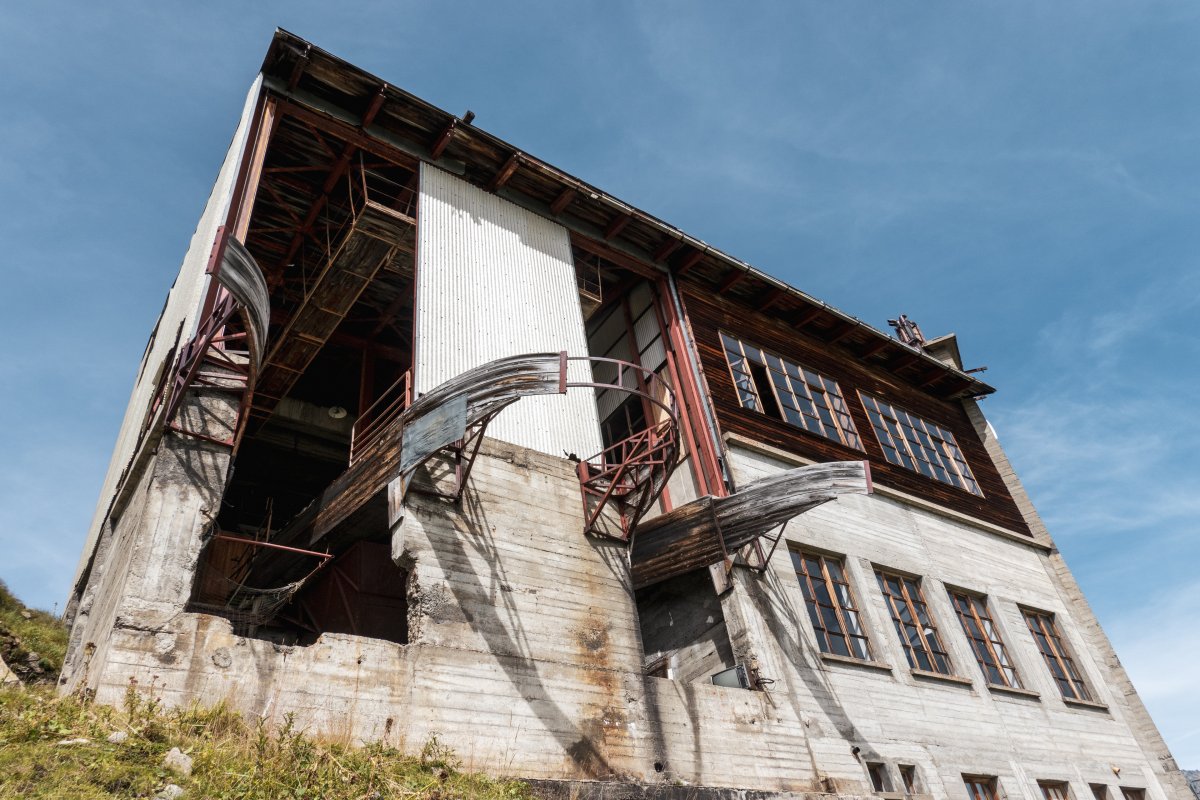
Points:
(525, 655)
(946, 727)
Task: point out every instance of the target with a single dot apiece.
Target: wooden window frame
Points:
(1100, 791)
(1132, 793)
(908, 778)
(911, 601)
(991, 644)
(839, 609)
(796, 391)
(1055, 790)
(1058, 657)
(929, 444)
(982, 787)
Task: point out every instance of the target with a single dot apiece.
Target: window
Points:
(785, 390)
(908, 774)
(919, 445)
(831, 606)
(1133, 794)
(1057, 657)
(1099, 791)
(879, 777)
(1054, 790)
(918, 635)
(980, 787)
(986, 643)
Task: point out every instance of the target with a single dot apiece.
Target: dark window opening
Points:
(683, 629)
(766, 395)
(908, 774)
(879, 777)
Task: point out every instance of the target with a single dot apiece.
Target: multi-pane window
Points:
(1099, 791)
(919, 444)
(1058, 658)
(980, 787)
(990, 652)
(908, 774)
(831, 606)
(1054, 790)
(788, 391)
(918, 635)
(1133, 794)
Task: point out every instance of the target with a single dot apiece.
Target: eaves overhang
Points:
(305, 75)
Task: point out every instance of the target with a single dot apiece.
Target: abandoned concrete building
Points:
(434, 439)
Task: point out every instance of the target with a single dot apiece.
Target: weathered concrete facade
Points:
(528, 645)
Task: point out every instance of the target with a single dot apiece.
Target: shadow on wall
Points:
(500, 625)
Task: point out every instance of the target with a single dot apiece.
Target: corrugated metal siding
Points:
(496, 280)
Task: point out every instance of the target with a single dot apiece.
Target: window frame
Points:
(832, 400)
(933, 439)
(1060, 656)
(816, 619)
(916, 608)
(992, 638)
(1055, 790)
(989, 784)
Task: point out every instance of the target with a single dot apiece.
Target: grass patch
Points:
(233, 757)
(24, 631)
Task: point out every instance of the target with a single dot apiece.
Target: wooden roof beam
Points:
(731, 280)
(506, 172)
(665, 249)
(841, 332)
(874, 347)
(773, 296)
(931, 377)
(806, 317)
(443, 139)
(689, 261)
(617, 225)
(562, 201)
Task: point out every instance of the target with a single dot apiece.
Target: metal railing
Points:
(371, 424)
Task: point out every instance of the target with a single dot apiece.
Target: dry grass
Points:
(233, 757)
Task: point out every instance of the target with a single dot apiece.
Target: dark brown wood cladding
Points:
(710, 314)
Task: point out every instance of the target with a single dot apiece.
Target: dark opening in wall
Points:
(360, 592)
(683, 630)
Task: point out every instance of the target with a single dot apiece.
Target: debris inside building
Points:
(433, 439)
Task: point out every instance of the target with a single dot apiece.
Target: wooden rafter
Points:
(562, 201)
(506, 172)
(617, 225)
(689, 261)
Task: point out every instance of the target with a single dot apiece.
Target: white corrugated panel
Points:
(495, 280)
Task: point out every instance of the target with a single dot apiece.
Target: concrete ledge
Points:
(613, 790)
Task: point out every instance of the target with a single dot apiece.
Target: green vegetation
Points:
(41, 756)
(59, 747)
(24, 631)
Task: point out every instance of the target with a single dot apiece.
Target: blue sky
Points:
(1024, 174)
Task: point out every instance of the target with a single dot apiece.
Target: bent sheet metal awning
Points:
(456, 411)
(701, 533)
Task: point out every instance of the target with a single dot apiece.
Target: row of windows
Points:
(985, 787)
(783, 389)
(835, 618)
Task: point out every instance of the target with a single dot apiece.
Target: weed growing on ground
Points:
(233, 757)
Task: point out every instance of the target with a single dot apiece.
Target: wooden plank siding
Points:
(710, 314)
